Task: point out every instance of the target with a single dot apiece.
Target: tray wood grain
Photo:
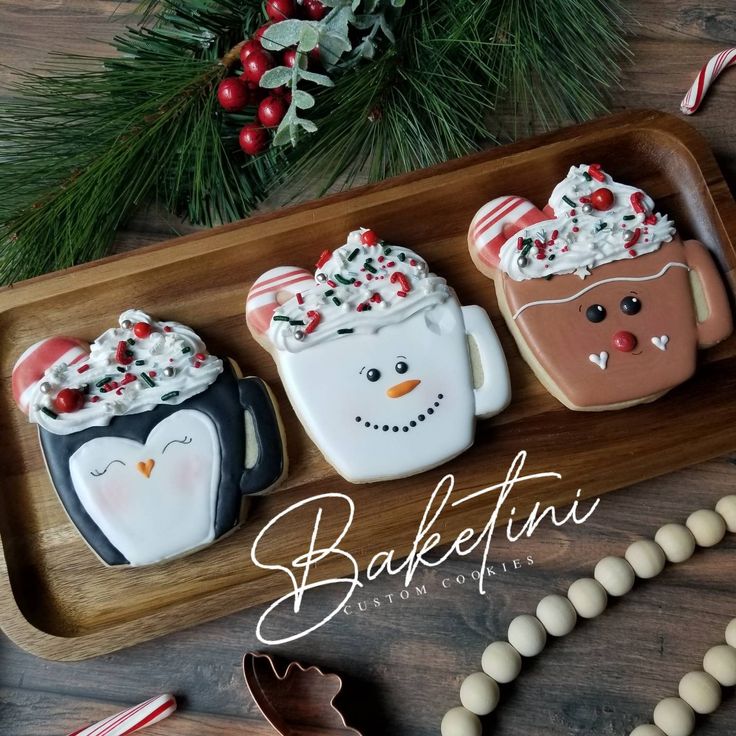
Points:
(57, 601)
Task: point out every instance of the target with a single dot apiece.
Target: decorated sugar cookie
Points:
(607, 303)
(385, 369)
(153, 444)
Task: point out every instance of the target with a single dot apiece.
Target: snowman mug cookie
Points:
(153, 444)
(384, 368)
(607, 304)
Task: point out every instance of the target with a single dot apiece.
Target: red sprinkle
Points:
(573, 213)
(541, 256)
(391, 264)
(398, 278)
(119, 392)
(121, 354)
(381, 259)
(368, 276)
(197, 364)
(401, 293)
(650, 219)
(83, 368)
(632, 252)
(360, 307)
(357, 284)
(94, 399)
(314, 318)
(331, 284)
(520, 243)
(299, 298)
(376, 298)
(152, 374)
(585, 200)
(412, 262)
(555, 235)
(128, 378)
(595, 171)
(200, 356)
(635, 239)
(636, 202)
(323, 259)
(576, 229)
(167, 328)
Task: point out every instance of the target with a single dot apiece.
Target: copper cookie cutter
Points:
(299, 702)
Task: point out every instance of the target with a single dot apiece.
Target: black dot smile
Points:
(405, 427)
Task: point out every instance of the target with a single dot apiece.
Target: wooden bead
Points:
(616, 575)
(731, 634)
(460, 722)
(588, 597)
(557, 615)
(646, 557)
(479, 694)
(726, 507)
(720, 663)
(647, 730)
(501, 662)
(675, 717)
(707, 526)
(677, 542)
(700, 691)
(527, 635)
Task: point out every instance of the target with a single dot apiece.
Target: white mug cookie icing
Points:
(145, 437)
(378, 358)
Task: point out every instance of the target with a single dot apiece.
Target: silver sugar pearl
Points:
(45, 387)
(321, 278)
(169, 371)
(299, 335)
(126, 324)
(628, 235)
(522, 261)
(587, 208)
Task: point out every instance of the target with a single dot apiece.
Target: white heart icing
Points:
(600, 360)
(660, 342)
(168, 513)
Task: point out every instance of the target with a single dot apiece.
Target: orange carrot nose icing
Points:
(401, 389)
(146, 467)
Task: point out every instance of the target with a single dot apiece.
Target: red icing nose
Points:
(624, 341)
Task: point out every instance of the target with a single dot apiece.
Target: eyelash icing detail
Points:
(186, 441)
(98, 473)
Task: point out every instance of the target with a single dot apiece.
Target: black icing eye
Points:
(373, 375)
(596, 313)
(630, 305)
(401, 367)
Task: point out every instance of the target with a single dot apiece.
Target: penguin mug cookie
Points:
(607, 304)
(383, 366)
(153, 444)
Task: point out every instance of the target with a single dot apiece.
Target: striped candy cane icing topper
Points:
(607, 304)
(357, 346)
(590, 220)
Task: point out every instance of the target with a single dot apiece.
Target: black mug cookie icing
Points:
(153, 444)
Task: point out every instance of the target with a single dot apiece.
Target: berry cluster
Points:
(237, 92)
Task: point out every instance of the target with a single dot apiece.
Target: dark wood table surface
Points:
(403, 660)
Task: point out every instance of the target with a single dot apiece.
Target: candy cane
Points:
(706, 77)
(132, 720)
(263, 297)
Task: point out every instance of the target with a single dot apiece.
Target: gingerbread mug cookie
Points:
(607, 304)
(153, 444)
(385, 369)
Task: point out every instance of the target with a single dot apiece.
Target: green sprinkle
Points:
(103, 390)
(337, 301)
(49, 413)
(276, 318)
(569, 201)
(140, 362)
(574, 219)
(343, 280)
(370, 268)
(352, 256)
(121, 369)
(103, 381)
(131, 341)
(345, 331)
(552, 257)
(629, 217)
(387, 251)
(367, 308)
(368, 260)
(547, 278)
(602, 226)
(296, 322)
(402, 256)
(170, 395)
(587, 176)
(329, 292)
(187, 349)
(527, 241)
(147, 379)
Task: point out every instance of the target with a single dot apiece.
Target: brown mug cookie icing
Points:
(607, 304)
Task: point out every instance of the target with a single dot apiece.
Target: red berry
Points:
(232, 94)
(314, 10)
(289, 57)
(278, 10)
(68, 400)
(369, 238)
(271, 111)
(602, 199)
(248, 48)
(256, 65)
(253, 139)
(257, 36)
(142, 329)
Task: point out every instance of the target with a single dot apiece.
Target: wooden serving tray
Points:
(59, 602)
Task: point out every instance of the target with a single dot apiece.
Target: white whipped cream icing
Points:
(575, 241)
(169, 345)
(359, 288)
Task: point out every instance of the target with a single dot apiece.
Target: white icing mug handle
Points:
(488, 362)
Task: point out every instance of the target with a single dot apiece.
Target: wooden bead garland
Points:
(588, 597)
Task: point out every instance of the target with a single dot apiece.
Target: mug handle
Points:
(269, 467)
(712, 310)
(493, 393)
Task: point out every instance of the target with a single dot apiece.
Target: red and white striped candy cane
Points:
(707, 75)
(132, 720)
